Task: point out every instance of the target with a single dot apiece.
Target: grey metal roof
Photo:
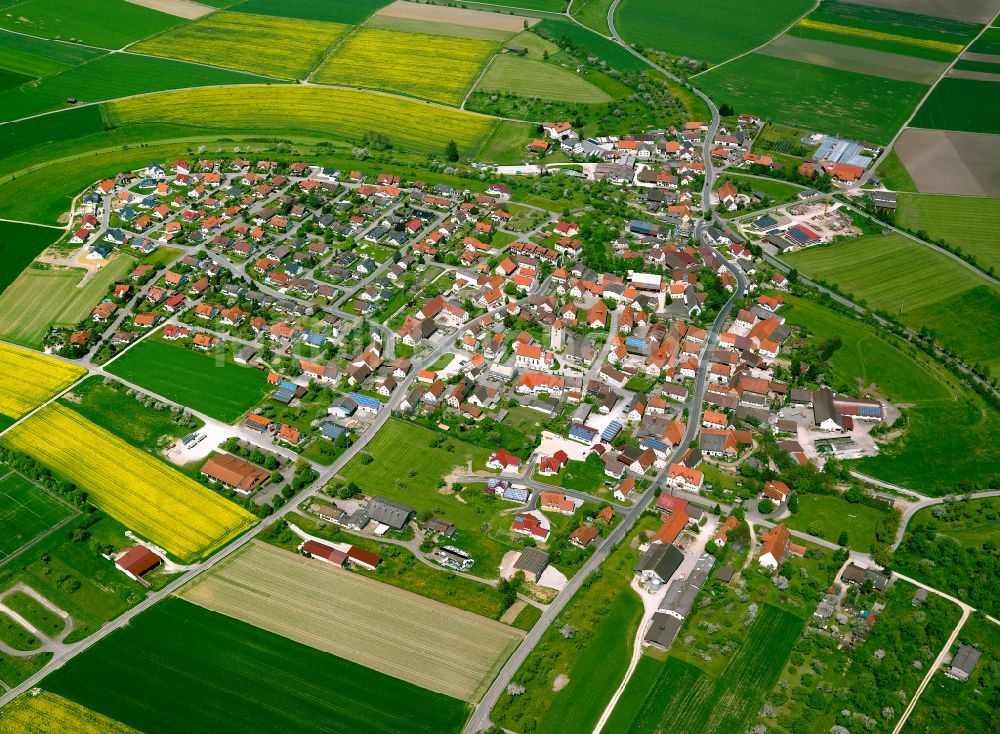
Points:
(662, 560)
(662, 630)
(388, 512)
(532, 561)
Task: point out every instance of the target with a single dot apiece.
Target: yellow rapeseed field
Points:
(437, 68)
(346, 114)
(137, 489)
(845, 30)
(28, 379)
(47, 713)
(280, 47)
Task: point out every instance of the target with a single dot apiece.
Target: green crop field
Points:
(812, 96)
(825, 516)
(915, 284)
(964, 222)
(36, 58)
(341, 113)
(16, 137)
(941, 417)
(705, 30)
(107, 23)
(686, 700)
(336, 11)
(883, 29)
(294, 47)
(988, 43)
(531, 78)
(26, 512)
(969, 105)
(40, 298)
(221, 389)
(110, 77)
(176, 646)
(551, 6)
(435, 646)
(19, 245)
(438, 68)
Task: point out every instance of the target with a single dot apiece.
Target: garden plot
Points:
(391, 630)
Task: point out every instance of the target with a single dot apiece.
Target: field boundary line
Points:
(74, 513)
(482, 73)
(334, 45)
(758, 48)
(53, 40)
(885, 151)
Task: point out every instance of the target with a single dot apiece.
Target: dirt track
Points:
(178, 8)
(455, 16)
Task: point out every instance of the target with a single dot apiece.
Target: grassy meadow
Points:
(914, 284)
(42, 297)
(176, 646)
(35, 58)
(965, 222)
(336, 11)
(532, 78)
(219, 388)
(940, 414)
(825, 516)
(294, 47)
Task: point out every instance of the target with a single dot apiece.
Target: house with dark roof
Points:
(659, 563)
(532, 563)
(389, 512)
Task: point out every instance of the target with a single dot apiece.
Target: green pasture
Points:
(968, 223)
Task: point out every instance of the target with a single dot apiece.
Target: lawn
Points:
(147, 495)
(963, 708)
(804, 95)
(687, 700)
(593, 14)
(433, 646)
(26, 512)
(37, 615)
(429, 456)
(44, 297)
(531, 78)
(438, 68)
(19, 245)
(826, 516)
(606, 614)
(176, 646)
(221, 389)
(584, 476)
(47, 713)
(894, 175)
(705, 30)
(294, 47)
(971, 105)
(110, 407)
(338, 11)
(345, 114)
(107, 23)
(507, 143)
(914, 284)
(961, 221)
(110, 77)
